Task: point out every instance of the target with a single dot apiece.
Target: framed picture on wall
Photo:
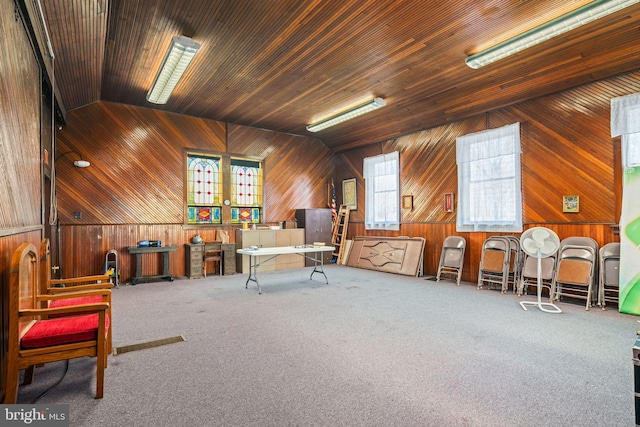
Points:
(449, 205)
(407, 202)
(570, 203)
(349, 195)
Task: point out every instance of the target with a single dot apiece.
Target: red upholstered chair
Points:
(49, 286)
(35, 339)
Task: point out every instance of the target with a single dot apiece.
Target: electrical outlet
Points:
(77, 215)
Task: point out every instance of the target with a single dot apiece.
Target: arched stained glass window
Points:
(246, 191)
(204, 190)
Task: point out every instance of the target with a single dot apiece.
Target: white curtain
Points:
(489, 181)
(382, 187)
(625, 121)
(625, 115)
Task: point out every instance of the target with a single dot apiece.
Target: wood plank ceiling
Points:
(282, 64)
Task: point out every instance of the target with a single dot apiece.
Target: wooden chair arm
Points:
(80, 288)
(74, 294)
(83, 279)
(74, 309)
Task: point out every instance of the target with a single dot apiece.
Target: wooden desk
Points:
(139, 251)
(195, 251)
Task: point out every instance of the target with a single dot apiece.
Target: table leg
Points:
(165, 267)
(138, 275)
(253, 273)
(315, 266)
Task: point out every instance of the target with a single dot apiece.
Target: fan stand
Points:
(541, 305)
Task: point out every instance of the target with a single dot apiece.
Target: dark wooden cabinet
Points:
(195, 251)
(317, 228)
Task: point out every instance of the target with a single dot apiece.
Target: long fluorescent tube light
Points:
(175, 63)
(567, 22)
(347, 115)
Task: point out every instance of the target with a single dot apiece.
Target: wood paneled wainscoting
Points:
(83, 248)
(435, 234)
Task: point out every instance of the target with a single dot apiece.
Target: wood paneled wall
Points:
(566, 150)
(20, 165)
(84, 247)
(136, 174)
(134, 189)
(20, 191)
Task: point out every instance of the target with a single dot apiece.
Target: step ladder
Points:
(339, 232)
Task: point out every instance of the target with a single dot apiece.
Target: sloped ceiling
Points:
(282, 64)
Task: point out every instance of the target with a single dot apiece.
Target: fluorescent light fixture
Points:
(175, 63)
(349, 114)
(567, 22)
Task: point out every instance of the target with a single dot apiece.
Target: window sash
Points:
(489, 181)
(205, 180)
(382, 192)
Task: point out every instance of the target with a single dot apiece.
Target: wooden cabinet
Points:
(228, 255)
(195, 251)
(269, 239)
(317, 226)
(193, 260)
(290, 237)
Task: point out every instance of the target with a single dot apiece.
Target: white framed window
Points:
(382, 192)
(489, 181)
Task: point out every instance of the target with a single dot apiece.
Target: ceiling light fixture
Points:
(77, 163)
(347, 115)
(567, 22)
(175, 63)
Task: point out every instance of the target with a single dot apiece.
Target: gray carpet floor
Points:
(367, 349)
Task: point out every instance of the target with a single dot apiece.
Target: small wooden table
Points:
(139, 251)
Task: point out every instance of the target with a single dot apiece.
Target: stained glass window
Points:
(246, 191)
(204, 190)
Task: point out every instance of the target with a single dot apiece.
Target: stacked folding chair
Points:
(609, 283)
(494, 264)
(529, 274)
(576, 270)
(516, 258)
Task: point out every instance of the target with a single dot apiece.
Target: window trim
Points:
(464, 157)
(225, 167)
(370, 206)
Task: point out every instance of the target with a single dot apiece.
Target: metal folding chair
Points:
(452, 258)
(609, 278)
(576, 269)
(494, 264)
